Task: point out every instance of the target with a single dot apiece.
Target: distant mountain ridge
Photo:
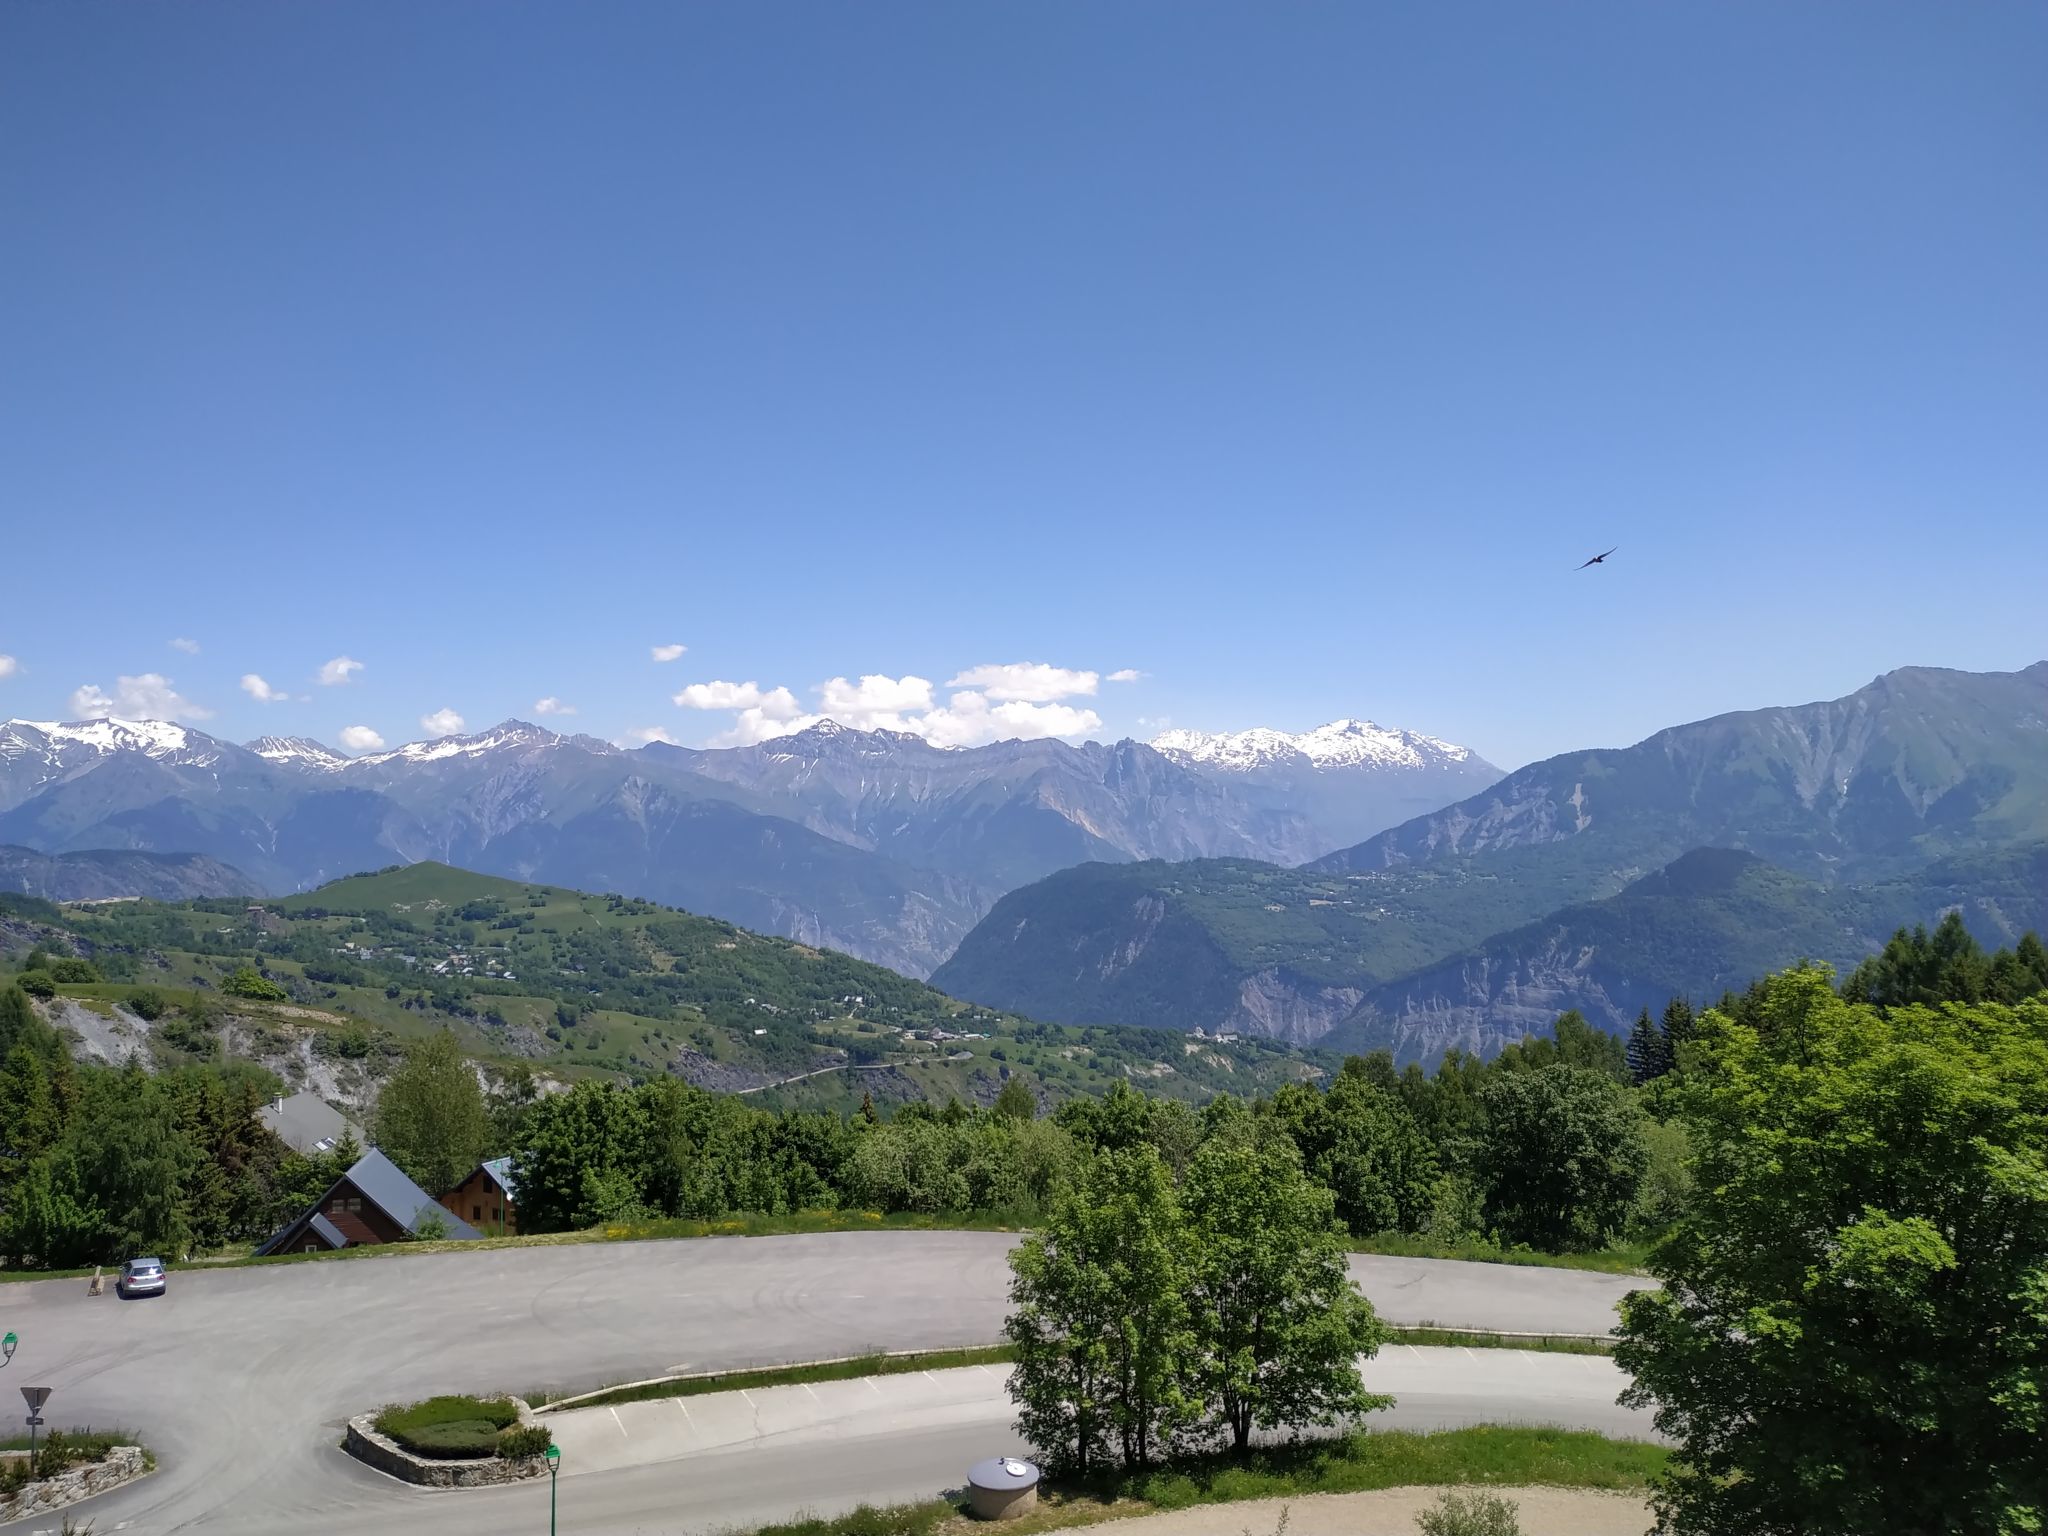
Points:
(1461, 925)
(108, 874)
(1350, 777)
(876, 843)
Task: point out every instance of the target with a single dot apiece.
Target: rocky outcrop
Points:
(122, 1464)
(1281, 1006)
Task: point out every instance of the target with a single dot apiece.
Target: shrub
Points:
(37, 984)
(147, 1003)
(72, 970)
(525, 1441)
(248, 982)
(1470, 1514)
(187, 1035)
(431, 1228)
(449, 1428)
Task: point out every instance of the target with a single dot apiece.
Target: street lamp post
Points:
(554, 1466)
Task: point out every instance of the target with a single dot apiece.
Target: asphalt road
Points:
(241, 1379)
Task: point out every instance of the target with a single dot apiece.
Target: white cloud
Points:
(442, 722)
(360, 738)
(969, 720)
(666, 652)
(1033, 682)
(771, 703)
(148, 696)
(261, 691)
(647, 733)
(189, 647)
(876, 702)
(552, 706)
(1124, 675)
(334, 673)
(9, 666)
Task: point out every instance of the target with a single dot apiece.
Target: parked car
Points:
(140, 1277)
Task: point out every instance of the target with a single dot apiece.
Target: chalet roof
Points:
(381, 1182)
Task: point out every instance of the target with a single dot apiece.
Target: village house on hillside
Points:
(486, 1199)
(374, 1202)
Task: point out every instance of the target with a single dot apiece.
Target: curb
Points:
(562, 1403)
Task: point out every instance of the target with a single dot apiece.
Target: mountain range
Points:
(1601, 880)
(875, 843)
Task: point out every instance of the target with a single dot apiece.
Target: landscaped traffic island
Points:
(452, 1441)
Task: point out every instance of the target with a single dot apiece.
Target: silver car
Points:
(140, 1277)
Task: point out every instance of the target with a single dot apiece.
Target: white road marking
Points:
(750, 1402)
(871, 1385)
(807, 1387)
(621, 1423)
(686, 1412)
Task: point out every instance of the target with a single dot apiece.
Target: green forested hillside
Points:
(573, 984)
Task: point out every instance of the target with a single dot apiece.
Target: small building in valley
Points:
(374, 1202)
(487, 1199)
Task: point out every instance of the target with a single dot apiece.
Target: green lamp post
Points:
(554, 1466)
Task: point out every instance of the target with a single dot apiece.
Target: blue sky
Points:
(1289, 356)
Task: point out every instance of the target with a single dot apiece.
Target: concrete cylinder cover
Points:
(1001, 1488)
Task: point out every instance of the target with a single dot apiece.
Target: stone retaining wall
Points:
(389, 1457)
(40, 1498)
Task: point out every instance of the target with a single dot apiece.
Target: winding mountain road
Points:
(241, 1379)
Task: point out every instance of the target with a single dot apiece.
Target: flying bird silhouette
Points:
(1597, 559)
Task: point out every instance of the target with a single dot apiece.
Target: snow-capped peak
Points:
(155, 738)
(507, 734)
(303, 750)
(1340, 744)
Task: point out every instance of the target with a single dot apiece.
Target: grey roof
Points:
(332, 1235)
(383, 1184)
(379, 1181)
(307, 1123)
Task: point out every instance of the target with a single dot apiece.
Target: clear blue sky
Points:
(1289, 355)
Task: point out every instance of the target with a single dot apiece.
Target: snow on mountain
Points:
(51, 738)
(302, 751)
(1340, 744)
(508, 734)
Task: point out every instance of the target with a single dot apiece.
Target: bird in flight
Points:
(1597, 559)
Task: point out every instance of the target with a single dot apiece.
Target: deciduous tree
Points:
(1278, 1325)
(431, 1117)
(1852, 1335)
(1100, 1319)
(1561, 1156)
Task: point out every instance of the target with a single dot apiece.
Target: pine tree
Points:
(1649, 1052)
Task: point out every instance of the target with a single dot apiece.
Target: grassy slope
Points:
(577, 983)
(1491, 1455)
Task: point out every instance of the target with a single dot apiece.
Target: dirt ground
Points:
(1392, 1512)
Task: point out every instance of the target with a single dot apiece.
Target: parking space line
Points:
(621, 1423)
(686, 1411)
(871, 1385)
(807, 1387)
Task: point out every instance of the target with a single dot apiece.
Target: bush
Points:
(73, 971)
(147, 1004)
(1470, 1514)
(187, 1035)
(248, 982)
(37, 984)
(449, 1428)
(527, 1440)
